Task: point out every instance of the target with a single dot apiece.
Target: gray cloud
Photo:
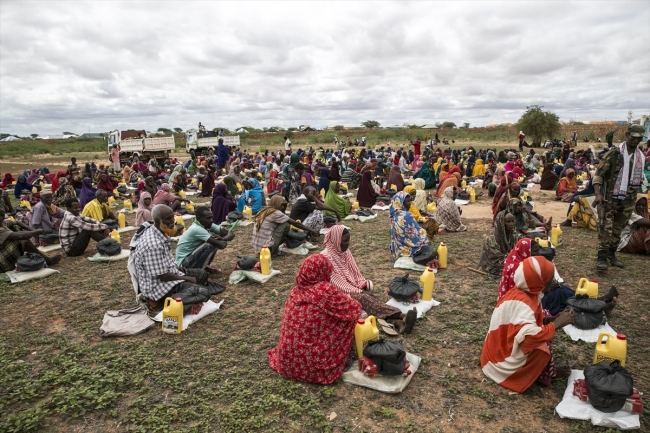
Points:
(76, 66)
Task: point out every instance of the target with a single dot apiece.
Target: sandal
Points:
(388, 328)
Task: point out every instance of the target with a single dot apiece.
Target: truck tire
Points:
(210, 152)
(192, 153)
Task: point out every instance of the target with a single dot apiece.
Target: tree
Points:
(370, 124)
(68, 133)
(178, 130)
(339, 128)
(414, 127)
(33, 135)
(466, 125)
(447, 125)
(539, 125)
(165, 131)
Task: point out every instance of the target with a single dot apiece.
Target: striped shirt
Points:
(72, 225)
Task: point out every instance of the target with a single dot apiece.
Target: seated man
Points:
(98, 209)
(13, 244)
(46, 216)
(197, 247)
(76, 230)
(308, 209)
(272, 226)
(351, 177)
(158, 274)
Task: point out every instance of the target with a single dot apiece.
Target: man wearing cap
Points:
(522, 137)
(616, 182)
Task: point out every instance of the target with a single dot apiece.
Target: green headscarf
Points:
(295, 159)
(341, 205)
(231, 185)
(427, 175)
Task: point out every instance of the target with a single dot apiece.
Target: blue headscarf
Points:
(22, 185)
(406, 235)
(253, 197)
(324, 180)
(87, 192)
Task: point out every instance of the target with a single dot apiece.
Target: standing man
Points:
(574, 138)
(416, 146)
(609, 138)
(522, 136)
(115, 157)
(287, 145)
(617, 180)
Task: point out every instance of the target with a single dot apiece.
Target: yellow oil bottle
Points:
(239, 186)
(172, 318)
(542, 242)
(322, 192)
(115, 193)
(296, 228)
(248, 213)
(128, 205)
(365, 331)
(34, 190)
(472, 194)
(111, 200)
(612, 349)
(115, 236)
(265, 260)
(463, 184)
(556, 235)
(589, 288)
(525, 196)
(427, 279)
(200, 185)
(181, 194)
(442, 255)
(26, 204)
(193, 181)
(121, 220)
(355, 205)
(189, 206)
(393, 187)
(179, 220)
(431, 207)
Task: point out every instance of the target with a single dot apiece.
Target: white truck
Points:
(136, 143)
(207, 144)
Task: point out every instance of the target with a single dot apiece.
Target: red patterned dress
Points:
(317, 327)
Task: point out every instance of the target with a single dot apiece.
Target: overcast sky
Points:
(74, 66)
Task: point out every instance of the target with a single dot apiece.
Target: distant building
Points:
(94, 135)
(429, 126)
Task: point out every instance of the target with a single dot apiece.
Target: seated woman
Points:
(549, 178)
(272, 225)
(308, 209)
(253, 196)
(426, 175)
(513, 190)
(207, 184)
(635, 237)
(63, 193)
(163, 196)
(498, 244)
(348, 279)
(407, 237)
(554, 300)
(452, 179)
(421, 197)
(492, 187)
(517, 349)
(524, 218)
(7, 180)
(317, 330)
(448, 214)
(105, 183)
(395, 179)
(143, 213)
(222, 203)
(409, 189)
(231, 185)
(479, 168)
(366, 195)
(341, 205)
(567, 186)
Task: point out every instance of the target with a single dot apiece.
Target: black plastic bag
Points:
(385, 199)
(49, 237)
(111, 224)
(295, 238)
(608, 385)
(109, 247)
(403, 289)
(329, 221)
(234, 216)
(588, 312)
(463, 195)
(364, 213)
(247, 262)
(425, 255)
(30, 262)
(547, 253)
(388, 356)
(121, 189)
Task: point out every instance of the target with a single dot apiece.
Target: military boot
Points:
(611, 256)
(602, 260)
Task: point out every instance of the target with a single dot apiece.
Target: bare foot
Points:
(411, 317)
(611, 295)
(54, 260)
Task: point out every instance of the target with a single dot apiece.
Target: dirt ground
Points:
(58, 375)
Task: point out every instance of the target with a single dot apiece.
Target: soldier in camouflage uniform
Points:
(616, 210)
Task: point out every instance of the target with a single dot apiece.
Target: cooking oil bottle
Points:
(612, 349)
(365, 331)
(172, 318)
(265, 261)
(115, 236)
(586, 287)
(427, 279)
(121, 220)
(442, 255)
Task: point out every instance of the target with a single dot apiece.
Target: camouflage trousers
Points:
(617, 214)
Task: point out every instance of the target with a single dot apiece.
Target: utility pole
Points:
(629, 117)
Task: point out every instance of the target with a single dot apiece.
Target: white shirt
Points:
(287, 145)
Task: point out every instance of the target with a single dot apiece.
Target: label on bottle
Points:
(601, 358)
(170, 324)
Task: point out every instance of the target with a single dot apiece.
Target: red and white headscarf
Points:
(345, 275)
